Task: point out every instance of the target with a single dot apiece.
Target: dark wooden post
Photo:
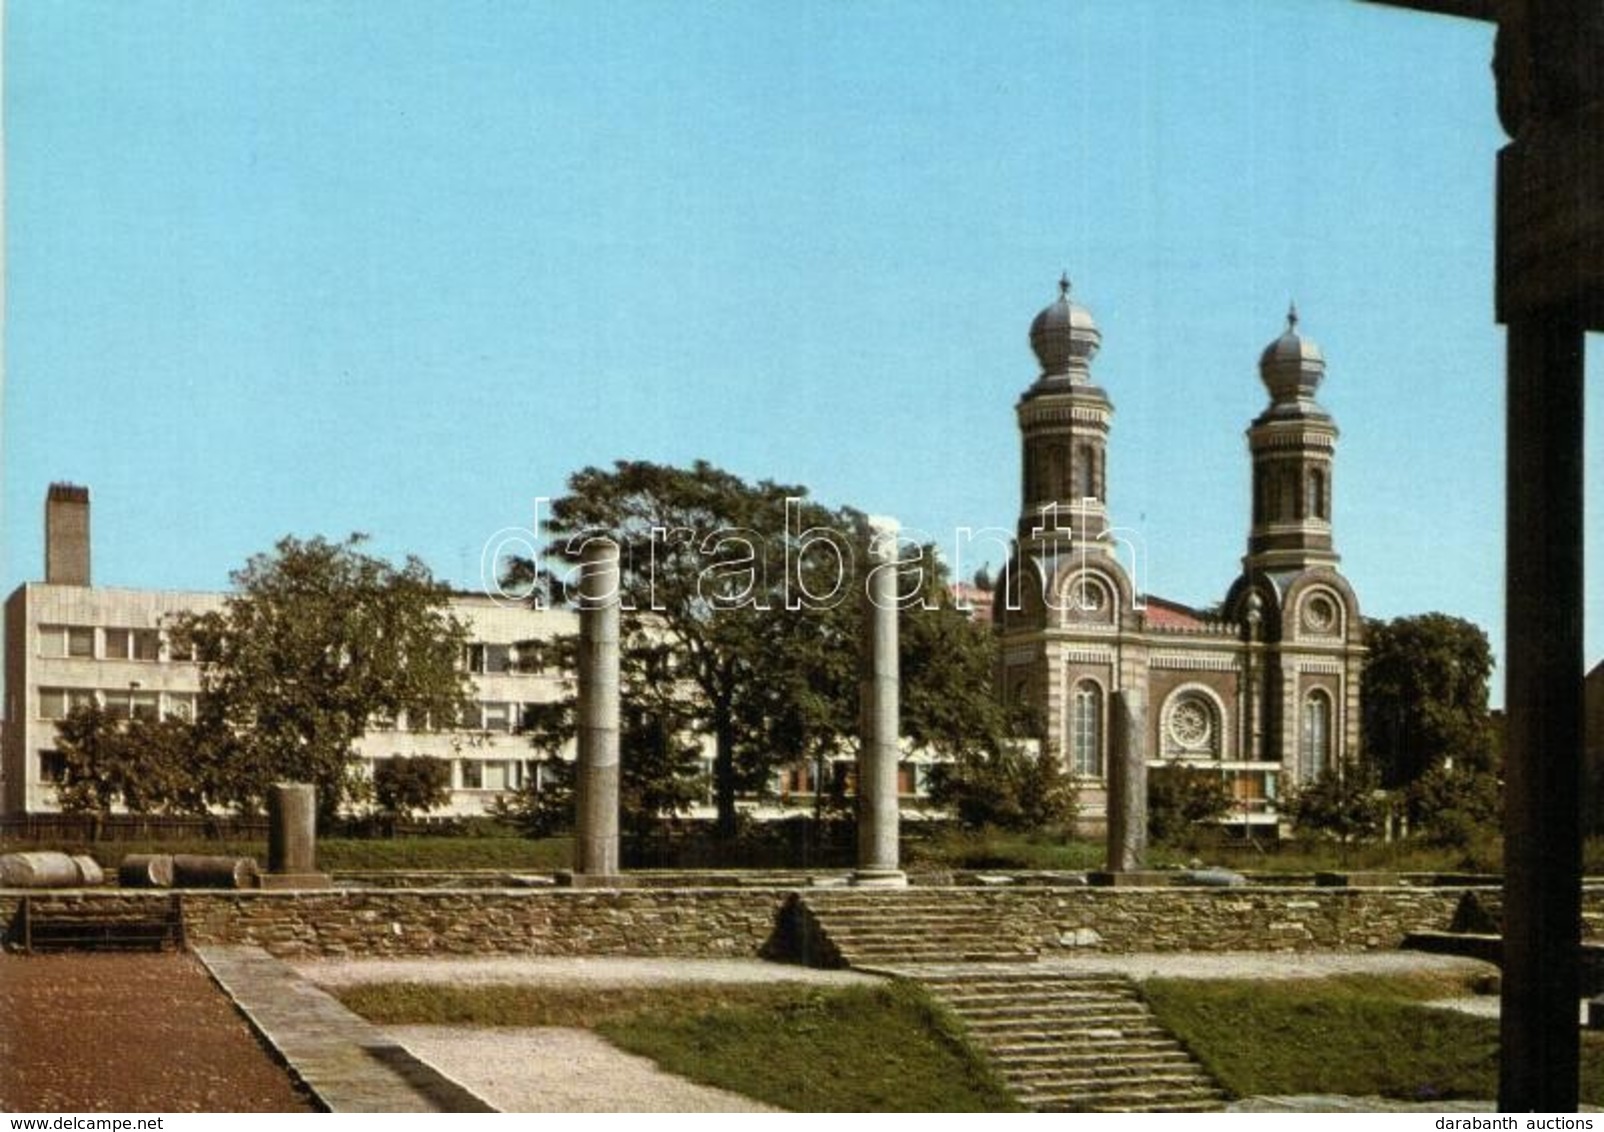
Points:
(1550, 290)
(1538, 1066)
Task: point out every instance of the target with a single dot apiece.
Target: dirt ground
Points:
(129, 1033)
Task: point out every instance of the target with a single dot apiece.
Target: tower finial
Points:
(1292, 315)
(1063, 285)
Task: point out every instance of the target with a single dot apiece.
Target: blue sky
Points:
(401, 267)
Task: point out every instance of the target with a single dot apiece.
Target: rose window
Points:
(1319, 614)
(1191, 729)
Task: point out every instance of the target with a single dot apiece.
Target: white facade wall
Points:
(49, 628)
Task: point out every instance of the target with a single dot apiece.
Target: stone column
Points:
(292, 838)
(596, 835)
(880, 716)
(1127, 783)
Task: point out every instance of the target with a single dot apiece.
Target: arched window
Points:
(1316, 748)
(1057, 475)
(1086, 731)
(1317, 494)
(1191, 727)
(1085, 472)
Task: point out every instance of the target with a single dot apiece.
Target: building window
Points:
(490, 659)
(58, 703)
(181, 705)
(1316, 735)
(52, 767)
(1191, 728)
(1085, 473)
(1317, 494)
(1086, 731)
(132, 704)
(497, 717)
(133, 644)
(66, 640)
(495, 776)
(473, 775)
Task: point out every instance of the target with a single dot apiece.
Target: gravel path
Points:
(556, 1069)
(566, 972)
(1271, 964)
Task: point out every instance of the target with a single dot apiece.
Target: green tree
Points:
(1180, 798)
(1009, 787)
(1346, 804)
(1425, 696)
(317, 638)
(660, 771)
(746, 596)
(406, 786)
(143, 766)
(1455, 807)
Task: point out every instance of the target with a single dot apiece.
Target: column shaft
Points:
(879, 752)
(596, 835)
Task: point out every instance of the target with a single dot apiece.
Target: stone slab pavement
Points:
(348, 1064)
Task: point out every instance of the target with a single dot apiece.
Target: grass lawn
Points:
(1357, 1035)
(808, 1049)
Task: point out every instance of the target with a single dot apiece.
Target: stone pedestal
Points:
(880, 718)
(596, 798)
(292, 838)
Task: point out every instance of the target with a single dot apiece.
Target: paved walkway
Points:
(348, 1064)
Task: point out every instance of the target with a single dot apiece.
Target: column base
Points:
(1130, 878)
(567, 878)
(879, 878)
(283, 881)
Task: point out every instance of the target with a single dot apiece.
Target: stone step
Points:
(926, 943)
(956, 927)
(1043, 1073)
(1045, 1054)
(1001, 939)
(1109, 1023)
(1134, 1103)
(1061, 1004)
(1041, 1080)
(1049, 1047)
(931, 953)
(1126, 1088)
(1025, 982)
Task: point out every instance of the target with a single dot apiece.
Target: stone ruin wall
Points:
(753, 922)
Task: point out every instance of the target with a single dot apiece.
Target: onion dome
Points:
(1292, 366)
(1064, 337)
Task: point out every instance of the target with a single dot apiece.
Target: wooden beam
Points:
(1465, 9)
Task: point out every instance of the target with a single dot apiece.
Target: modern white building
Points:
(68, 642)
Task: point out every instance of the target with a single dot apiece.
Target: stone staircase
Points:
(1073, 1043)
(861, 927)
(1063, 1042)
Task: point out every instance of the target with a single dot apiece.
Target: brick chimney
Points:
(67, 535)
